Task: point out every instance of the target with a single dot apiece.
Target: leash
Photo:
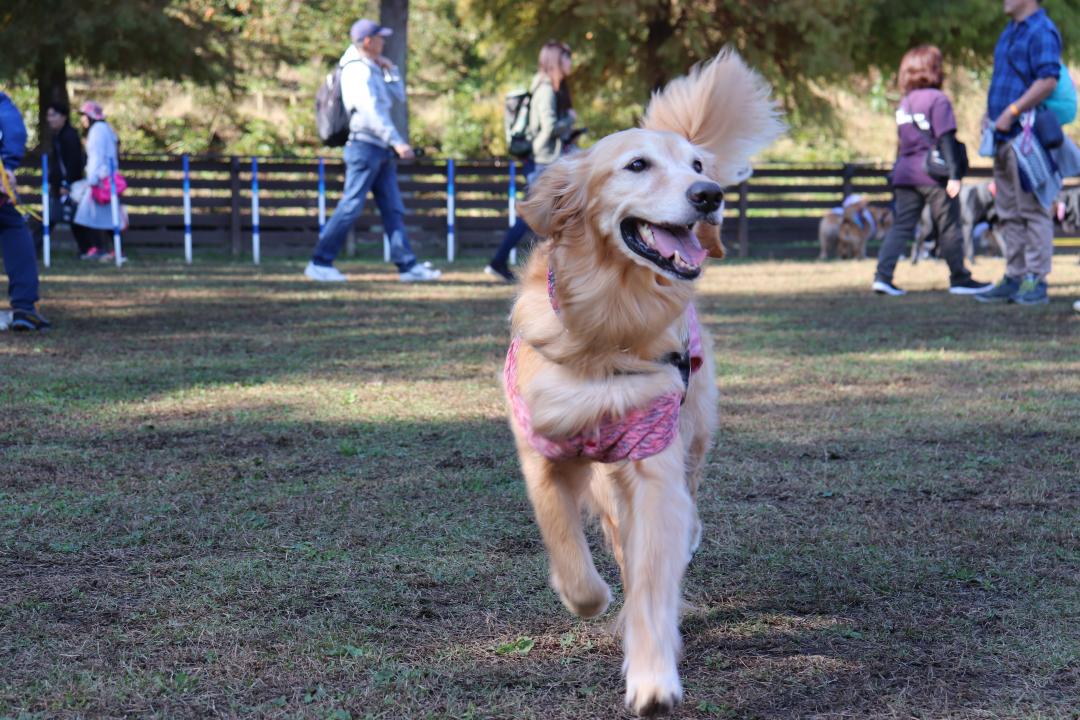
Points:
(10, 193)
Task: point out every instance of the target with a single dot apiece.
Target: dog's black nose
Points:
(705, 196)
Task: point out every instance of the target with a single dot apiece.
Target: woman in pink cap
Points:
(93, 220)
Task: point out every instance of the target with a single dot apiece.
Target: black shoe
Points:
(885, 287)
(24, 320)
(969, 286)
(500, 270)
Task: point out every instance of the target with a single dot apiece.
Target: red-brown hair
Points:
(921, 68)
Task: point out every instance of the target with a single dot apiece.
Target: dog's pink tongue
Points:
(683, 240)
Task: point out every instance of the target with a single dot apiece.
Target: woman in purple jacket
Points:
(925, 118)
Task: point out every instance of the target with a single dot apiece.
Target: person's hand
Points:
(952, 188)
(572, 115)
(384, 62)
(1005, 121)
(404, 151)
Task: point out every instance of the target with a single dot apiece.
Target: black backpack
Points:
(331, 117)
(516, 123)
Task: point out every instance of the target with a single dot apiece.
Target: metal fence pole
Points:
(114, 205)
(187, 211)
(744, 220)
(46, 236)
(512, 207)
(322, 196)
(255, 240)
(450, 249)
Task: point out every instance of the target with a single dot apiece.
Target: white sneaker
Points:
(420, 273)
(881, 287)
(5, 319)
(323, 273)
(1076, 306)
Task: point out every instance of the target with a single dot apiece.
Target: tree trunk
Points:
(51, 72)
(394, 14)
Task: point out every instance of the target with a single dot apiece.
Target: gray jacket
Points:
(548, 130)
(369, 92)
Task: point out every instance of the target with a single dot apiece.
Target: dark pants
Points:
(374, 168)
(20, 262)
(88, 237)
(944, 211)
(520, 228)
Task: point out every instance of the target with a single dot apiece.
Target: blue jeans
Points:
(519, 229)
(20, 262)
(374, 168)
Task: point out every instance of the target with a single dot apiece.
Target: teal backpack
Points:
(1062, 102)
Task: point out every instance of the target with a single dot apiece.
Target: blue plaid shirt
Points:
(1026, 51)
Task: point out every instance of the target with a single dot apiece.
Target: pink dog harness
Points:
(641, 433)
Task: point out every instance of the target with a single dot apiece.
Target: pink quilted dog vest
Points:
(641, 433)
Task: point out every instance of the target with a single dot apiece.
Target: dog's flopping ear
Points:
(557, 198)
(723, 106)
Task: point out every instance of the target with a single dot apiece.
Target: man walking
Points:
(1027, 61)
(20, 260)
(369, 85)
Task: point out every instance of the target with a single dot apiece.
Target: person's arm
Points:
(360, 94)
(12, 134)
(543, 104)
(12, 143)
(1032, 97)
(1044, 58)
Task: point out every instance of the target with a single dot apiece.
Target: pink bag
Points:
(100, 192)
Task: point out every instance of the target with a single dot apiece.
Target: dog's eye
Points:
(639, 165)
(696, 166)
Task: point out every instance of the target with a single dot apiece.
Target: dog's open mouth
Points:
(673, 248)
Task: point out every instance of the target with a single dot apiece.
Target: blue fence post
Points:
(450, 210)
(512, 203)
(187, 211)
(46, 236)
(255, 242)
(322, 196)
(114, 205)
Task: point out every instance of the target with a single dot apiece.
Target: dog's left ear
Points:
(556, 199)
(723, 106)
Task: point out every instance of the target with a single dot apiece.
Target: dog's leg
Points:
(656, 534)
(605, 493)
(555, 490)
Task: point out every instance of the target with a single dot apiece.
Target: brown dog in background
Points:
(845, 231)
(604, 328)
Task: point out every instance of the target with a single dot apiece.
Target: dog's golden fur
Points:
(598, 357)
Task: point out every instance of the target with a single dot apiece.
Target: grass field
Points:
(231, 492)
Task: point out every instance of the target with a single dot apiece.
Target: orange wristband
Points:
(1014, 110)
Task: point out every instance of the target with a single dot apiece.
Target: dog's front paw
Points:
(651, 694)
(586, 599)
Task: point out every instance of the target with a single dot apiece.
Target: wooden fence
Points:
(773, 214)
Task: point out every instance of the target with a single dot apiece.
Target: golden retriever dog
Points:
(845, 231)
(610, 377)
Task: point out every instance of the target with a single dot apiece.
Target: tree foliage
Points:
(625, 50)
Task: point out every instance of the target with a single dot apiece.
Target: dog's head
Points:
(653, 197)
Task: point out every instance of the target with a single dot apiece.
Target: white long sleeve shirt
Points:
(368, 93)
